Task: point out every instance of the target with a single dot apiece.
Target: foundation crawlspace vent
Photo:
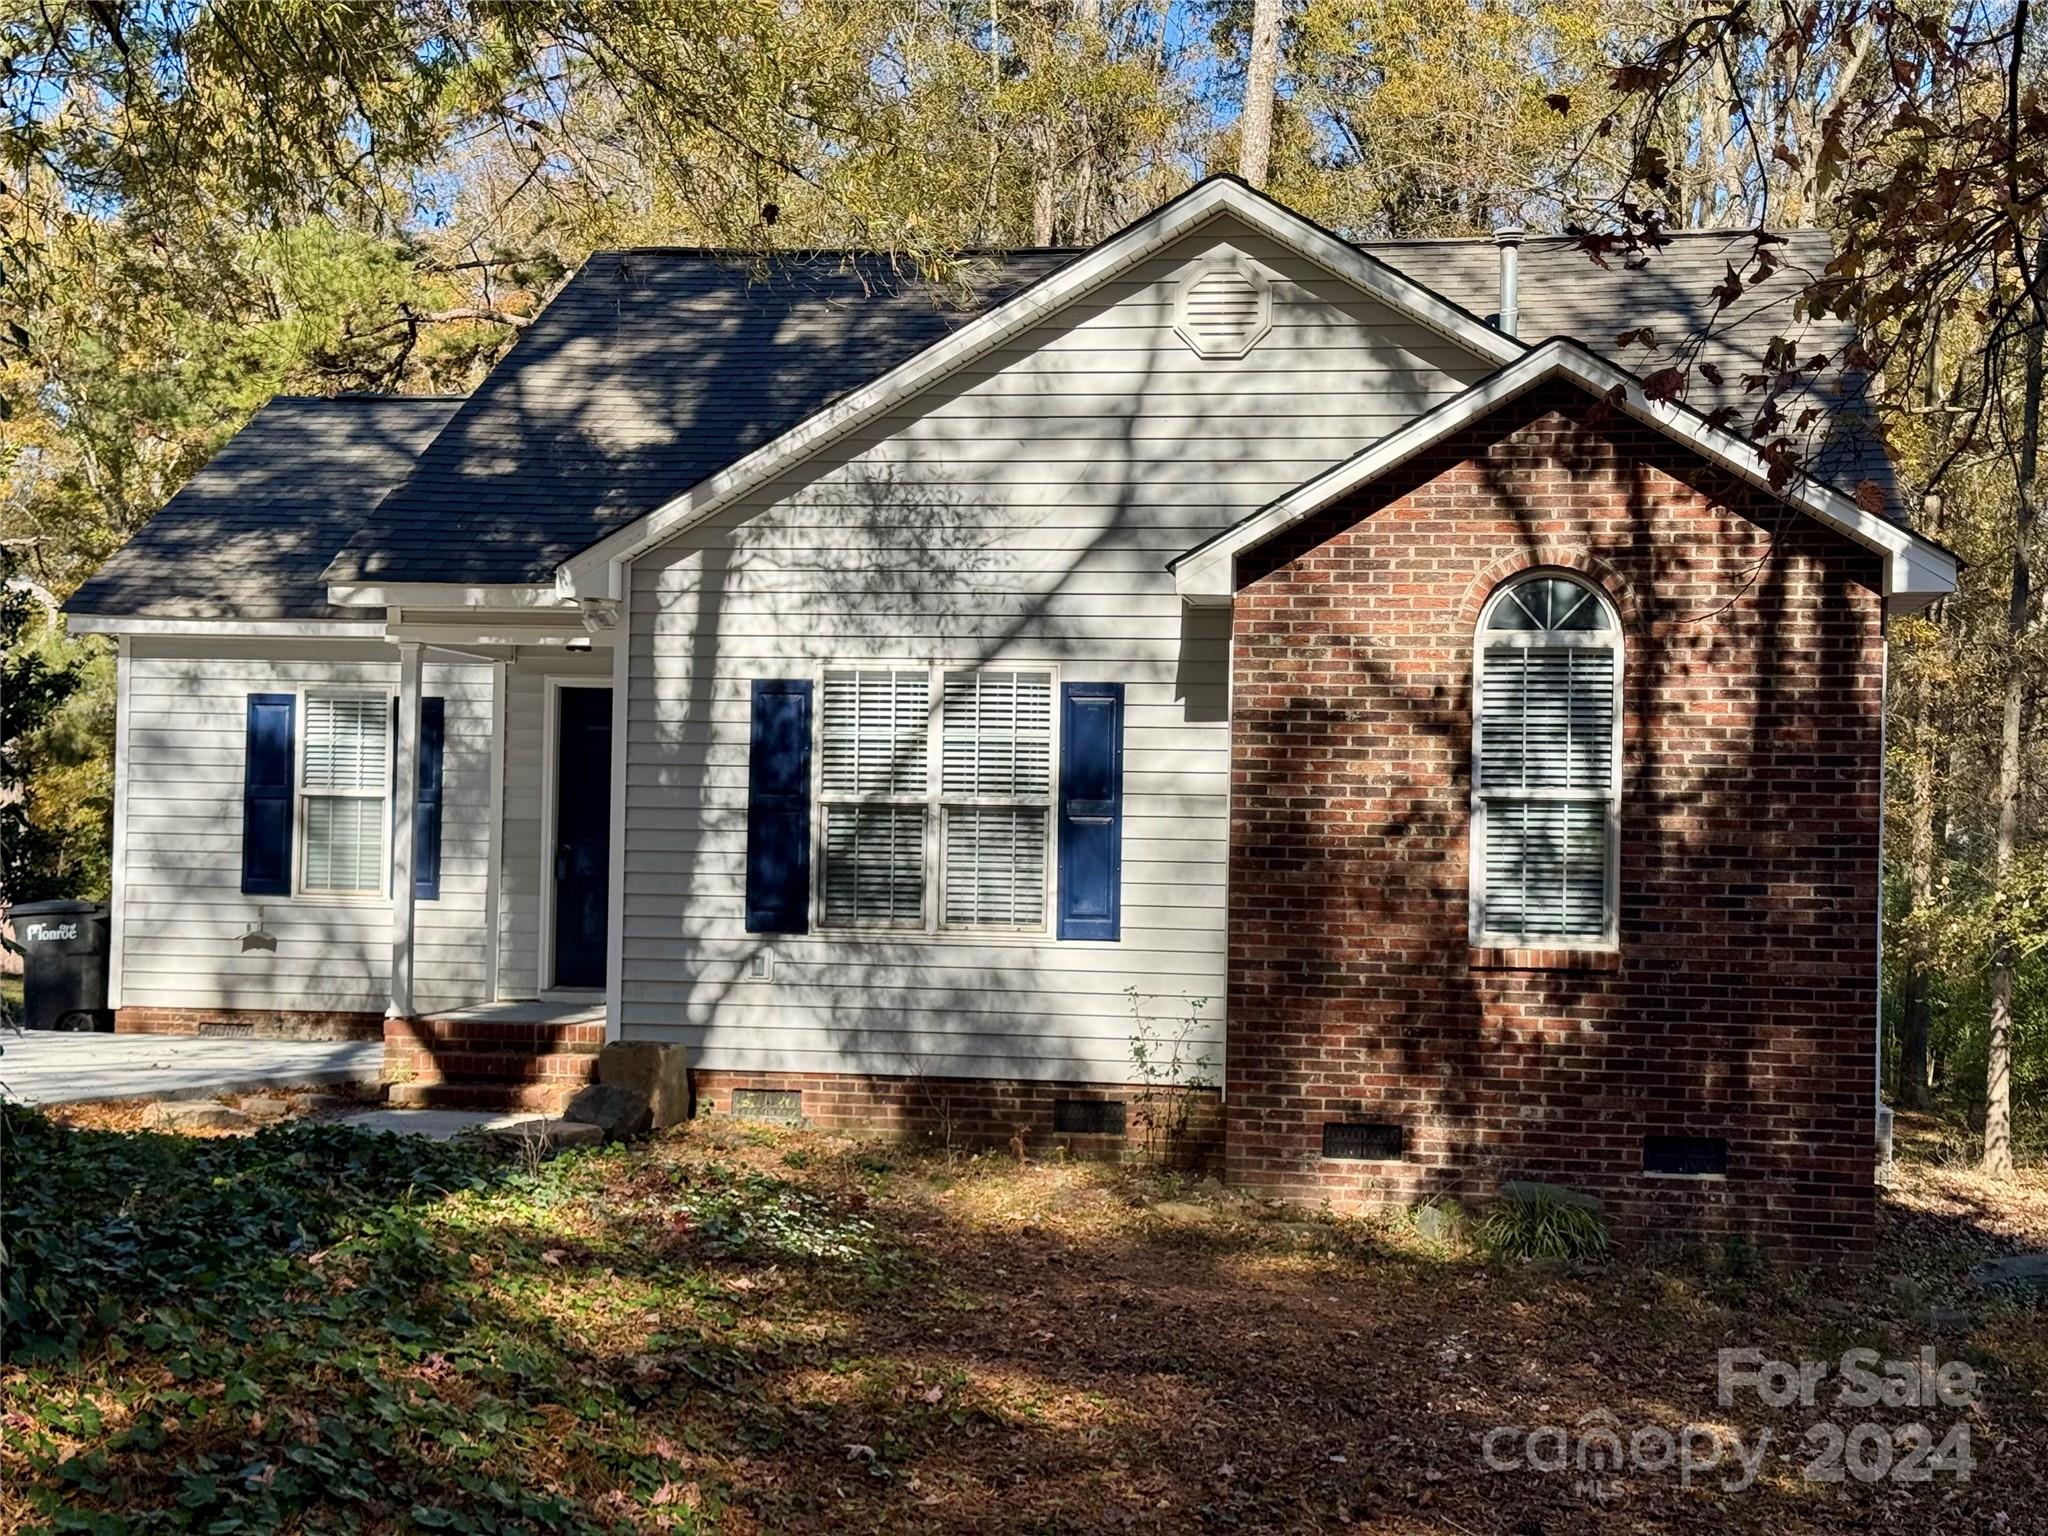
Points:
(1378, 1141)
(1697, 1156)
(1088, 1117)
(783, 1104)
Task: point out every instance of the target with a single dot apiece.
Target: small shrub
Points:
(1542, 1225)
(1171, 1076)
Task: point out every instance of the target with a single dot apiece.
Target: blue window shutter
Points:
(1091, 810)
(426, 812)
(269, 770)
(779, 808)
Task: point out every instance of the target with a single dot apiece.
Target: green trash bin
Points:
(64, 964)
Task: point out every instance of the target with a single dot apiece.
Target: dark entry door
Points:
(583, 823)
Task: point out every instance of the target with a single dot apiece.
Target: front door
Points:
(583, 822)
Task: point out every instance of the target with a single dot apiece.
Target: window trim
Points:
(935, 802)
(1484, 639)
(301, 794)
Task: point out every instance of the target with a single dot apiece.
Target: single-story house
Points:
(1324, 664)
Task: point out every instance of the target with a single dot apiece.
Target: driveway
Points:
(46, 1068)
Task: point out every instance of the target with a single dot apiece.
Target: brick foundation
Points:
(1743, 1000)
(977, 1112)
(255, 1023)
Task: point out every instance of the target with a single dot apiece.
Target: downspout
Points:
(1884, 699)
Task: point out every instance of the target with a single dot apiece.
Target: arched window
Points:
(1546, 772)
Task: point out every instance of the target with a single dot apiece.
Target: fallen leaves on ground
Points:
(754, 1330)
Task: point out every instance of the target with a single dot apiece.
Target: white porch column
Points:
(494, 877)
(405, 792)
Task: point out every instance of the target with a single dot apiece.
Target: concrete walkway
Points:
(447, 1124)
(47, 1068)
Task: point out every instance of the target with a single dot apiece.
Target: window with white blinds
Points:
(874, 749)
(1546, 771)
(996, 788)
(936, 792)
(345, 793)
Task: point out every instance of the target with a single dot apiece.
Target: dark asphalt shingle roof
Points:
(250, 535)
(654, 369)
(649, 371)
(1563, 292)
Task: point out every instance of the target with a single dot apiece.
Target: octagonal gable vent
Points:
(1222, 309)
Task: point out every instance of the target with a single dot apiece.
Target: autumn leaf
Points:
(1632, 79)
(1558, 102)
(1665, 384)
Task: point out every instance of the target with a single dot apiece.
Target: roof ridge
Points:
(1533, 237)
(366, 397)
(751, 251)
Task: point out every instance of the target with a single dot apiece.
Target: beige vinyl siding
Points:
(183, 913)
(1022, 512)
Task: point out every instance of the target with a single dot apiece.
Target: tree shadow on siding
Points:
(888, 559)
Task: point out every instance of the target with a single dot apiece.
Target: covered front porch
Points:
(534, 732)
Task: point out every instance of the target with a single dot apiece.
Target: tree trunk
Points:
(2011, 742)
(1998, 1060)
(1045, 194)
(1081, 229)
(1261, 82)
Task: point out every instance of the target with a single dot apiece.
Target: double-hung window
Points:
(345, 794)
(1546, 773)
(936, 787)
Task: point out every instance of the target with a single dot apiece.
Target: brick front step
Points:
(573, 1066)
(543, 1098)
(473, 1063)
(491, 1034)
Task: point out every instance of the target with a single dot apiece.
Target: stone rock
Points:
(1183, 1210)
(2025, 1269)
(553, 1135)
(194, 1115)
(618, 1113)
(266, 1108)
(1947, 1320)
(659, 1074)
(1533, 1190)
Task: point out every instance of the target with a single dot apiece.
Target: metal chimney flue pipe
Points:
(1508, 238)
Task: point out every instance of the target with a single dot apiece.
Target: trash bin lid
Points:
(50, 909)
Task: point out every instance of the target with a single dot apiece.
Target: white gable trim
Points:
(1916, 570)
(445, 594)
(597, 571)
(237, 629)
